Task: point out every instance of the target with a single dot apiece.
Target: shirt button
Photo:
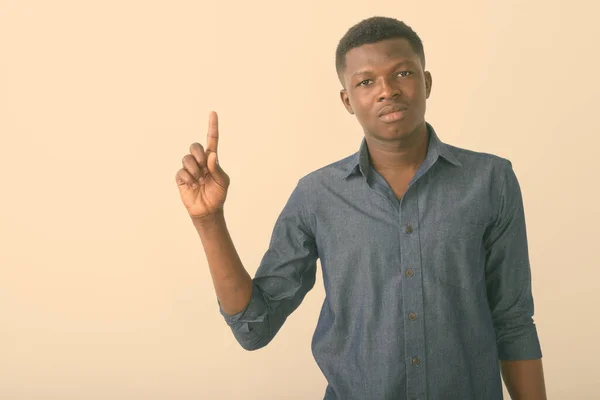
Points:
(409, 229)
(415, 360)
(412, 316)
(410, 272)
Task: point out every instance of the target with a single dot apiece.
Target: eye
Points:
(361, 82)
(404, 73)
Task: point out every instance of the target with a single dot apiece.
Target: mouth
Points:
(393, 116)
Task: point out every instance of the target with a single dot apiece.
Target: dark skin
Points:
(382, 74)
(391, 73)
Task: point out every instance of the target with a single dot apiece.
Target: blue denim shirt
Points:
(424, 295)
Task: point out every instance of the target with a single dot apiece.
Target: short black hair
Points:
(372, 30)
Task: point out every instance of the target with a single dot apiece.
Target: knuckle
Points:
(196, 146)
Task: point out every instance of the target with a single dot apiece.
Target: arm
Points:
(508, 283)
(256, 309)
(233, 284)
(203, 186)
(524, 379)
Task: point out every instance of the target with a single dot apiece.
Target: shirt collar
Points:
(359, 161)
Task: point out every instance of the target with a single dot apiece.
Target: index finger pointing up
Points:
(212, 138)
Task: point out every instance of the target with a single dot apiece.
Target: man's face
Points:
(387, 73)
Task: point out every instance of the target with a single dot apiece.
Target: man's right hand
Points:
(202, 182)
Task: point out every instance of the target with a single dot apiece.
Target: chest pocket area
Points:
(458, 257)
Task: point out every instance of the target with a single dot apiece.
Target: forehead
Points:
(380, 53)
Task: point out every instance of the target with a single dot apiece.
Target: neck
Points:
(399, 156)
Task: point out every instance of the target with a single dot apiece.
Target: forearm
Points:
(524, 379)
(233, 284)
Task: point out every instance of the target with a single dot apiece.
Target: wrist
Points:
(208, 219)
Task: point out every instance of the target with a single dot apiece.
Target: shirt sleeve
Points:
(285, 275)
(508, 275)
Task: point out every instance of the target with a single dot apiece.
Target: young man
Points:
(422, 245)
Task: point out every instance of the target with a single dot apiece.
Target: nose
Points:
(389, 90)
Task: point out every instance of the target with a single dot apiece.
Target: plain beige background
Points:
(104, 287)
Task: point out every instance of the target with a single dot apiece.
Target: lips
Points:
(392, 109)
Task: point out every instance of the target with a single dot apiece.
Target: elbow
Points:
(253, 336)
(255, 344)
(252, 346)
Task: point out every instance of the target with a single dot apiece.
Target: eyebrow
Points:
(366, 71)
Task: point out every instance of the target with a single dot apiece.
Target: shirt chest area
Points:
(437, 228)
(380, 211)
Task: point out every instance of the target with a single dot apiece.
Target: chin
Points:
(400, 128)
(403, 128)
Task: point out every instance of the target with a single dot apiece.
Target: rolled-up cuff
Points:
(523, 347)
(255, 311)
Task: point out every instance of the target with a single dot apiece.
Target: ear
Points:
(346, 100)
(428, 83)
